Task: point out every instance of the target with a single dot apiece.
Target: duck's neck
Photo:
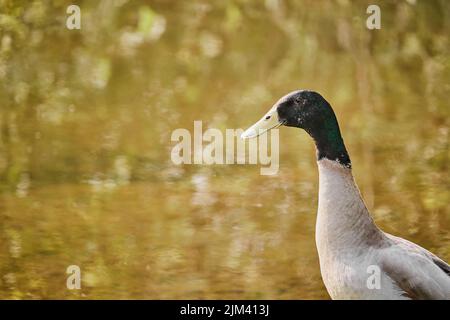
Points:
(324, 129)
(343, 221)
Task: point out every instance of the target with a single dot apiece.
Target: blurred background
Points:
(85, 123)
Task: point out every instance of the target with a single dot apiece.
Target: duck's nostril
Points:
(268, 117)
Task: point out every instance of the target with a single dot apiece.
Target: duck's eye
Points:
(268, 117)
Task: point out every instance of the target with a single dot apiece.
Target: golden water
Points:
(86, 118)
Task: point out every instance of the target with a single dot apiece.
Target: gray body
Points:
(351, 248)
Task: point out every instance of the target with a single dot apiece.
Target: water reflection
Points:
(85, 124)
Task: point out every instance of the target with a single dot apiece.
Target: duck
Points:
(358, 261)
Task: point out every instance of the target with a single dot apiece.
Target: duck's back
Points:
(417, 271)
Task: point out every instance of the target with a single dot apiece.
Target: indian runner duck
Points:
(349, 243)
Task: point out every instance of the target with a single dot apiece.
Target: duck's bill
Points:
(269, 121)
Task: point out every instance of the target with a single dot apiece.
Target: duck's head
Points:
(309, 111)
